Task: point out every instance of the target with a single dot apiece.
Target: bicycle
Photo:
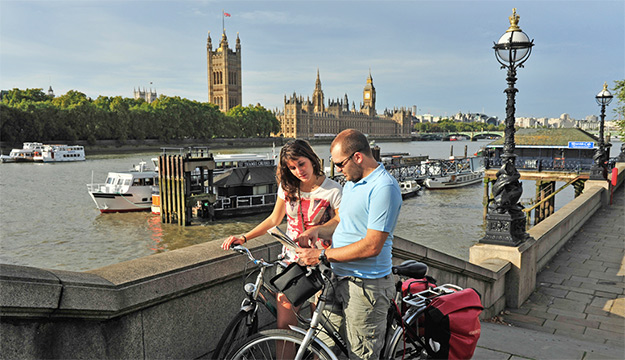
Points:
(245, 322)
(264, 344)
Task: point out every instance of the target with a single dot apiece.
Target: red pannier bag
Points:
(452, 325)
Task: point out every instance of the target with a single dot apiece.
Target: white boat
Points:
(126, 191)
(38, 152)
(453, 173)
(60, 153)
(454, 181)
(409, 188)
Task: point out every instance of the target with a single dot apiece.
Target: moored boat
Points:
(453, 173)
(454, 180)
(409, 188)
(126, 191)
(38, 152)
(242, 184)
(61, 153)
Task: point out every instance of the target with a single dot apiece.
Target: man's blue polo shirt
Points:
(371, 203)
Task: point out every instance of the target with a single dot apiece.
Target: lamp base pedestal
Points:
(597, 173)
(505, 229)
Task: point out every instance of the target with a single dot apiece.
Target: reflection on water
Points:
(447, 220)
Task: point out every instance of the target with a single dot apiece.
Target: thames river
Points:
(48, 220)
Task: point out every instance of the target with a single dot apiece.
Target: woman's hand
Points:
(233, 240)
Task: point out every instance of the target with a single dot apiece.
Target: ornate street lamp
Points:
(505, 220)
(599, 171)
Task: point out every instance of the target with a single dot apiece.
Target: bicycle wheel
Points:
(400, 346)
(268, 344)
(242, 326)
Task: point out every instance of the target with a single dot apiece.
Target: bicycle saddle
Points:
(411, 268)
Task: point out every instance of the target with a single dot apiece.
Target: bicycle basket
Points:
(298, 283)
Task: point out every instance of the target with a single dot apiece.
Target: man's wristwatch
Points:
(322, 256)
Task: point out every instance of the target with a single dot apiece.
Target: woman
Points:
(307, 197)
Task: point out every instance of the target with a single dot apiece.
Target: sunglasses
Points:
(342, 164)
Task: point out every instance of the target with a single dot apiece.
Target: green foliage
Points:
(30, 115)
(447, 125)
(16, 96)
(619, 94)
(253, 121)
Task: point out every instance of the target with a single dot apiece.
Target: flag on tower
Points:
(226, 14)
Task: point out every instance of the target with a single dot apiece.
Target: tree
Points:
(619, 92)
(71, 98)
(16, 96)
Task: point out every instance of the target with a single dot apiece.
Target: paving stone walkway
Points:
(581, 292)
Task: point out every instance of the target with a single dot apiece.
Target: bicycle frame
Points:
(309, 335)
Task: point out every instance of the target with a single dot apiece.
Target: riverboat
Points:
(453, 173)
(126, 191)
(409, 188)
(38, 152)
(60, 153)
(242, 184)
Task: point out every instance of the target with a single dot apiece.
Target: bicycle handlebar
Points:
(245, 251)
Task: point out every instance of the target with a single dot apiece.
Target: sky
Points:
(435, 55)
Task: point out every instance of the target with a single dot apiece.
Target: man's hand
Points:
(308, 256)
(308, 237)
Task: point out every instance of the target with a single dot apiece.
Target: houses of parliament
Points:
(303, 118)
(311, 118)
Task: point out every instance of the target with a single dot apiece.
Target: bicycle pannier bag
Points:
(452, 325)
(298, 283)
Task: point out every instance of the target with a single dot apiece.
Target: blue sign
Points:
(581, 144)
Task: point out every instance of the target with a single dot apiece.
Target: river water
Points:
(48, 220)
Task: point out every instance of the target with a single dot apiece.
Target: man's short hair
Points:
(352, 140)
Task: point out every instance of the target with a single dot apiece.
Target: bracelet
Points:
(244, 238)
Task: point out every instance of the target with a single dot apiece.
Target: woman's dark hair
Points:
(292, 150)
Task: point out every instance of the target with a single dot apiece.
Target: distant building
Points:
(147, 95)
(224, 73)
(311, 118)
(50, 92)
(564, 121)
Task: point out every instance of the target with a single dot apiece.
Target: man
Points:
(362, 239)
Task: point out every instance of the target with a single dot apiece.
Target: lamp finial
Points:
(514, 21)
(605, 86)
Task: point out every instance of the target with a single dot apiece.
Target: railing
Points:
(246, 201)
(544, 201)
(557, 164)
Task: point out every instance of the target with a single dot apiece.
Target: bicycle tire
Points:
(263, 346)
(236, 331)
(398, 347)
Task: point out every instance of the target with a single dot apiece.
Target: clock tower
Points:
(368, 96)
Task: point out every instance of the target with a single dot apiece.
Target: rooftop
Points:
(547, 137)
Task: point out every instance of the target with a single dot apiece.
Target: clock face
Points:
(367, 95)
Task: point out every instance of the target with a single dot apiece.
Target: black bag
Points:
(298, 283)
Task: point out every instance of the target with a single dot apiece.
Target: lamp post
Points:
(599, 171)
(505, 220)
